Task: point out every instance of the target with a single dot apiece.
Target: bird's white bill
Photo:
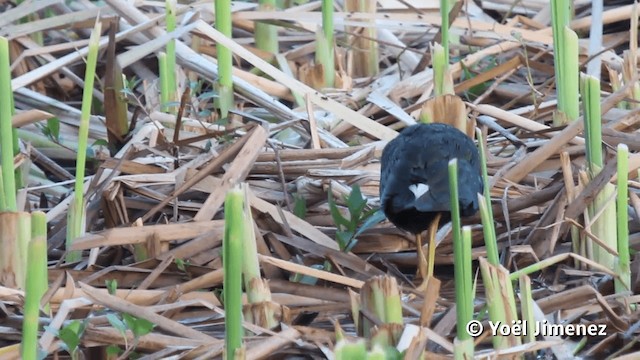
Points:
(419, 189)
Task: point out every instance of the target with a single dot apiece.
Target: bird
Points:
(414, 181)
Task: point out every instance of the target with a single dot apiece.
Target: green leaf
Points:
(373, 217)
(112, 286)
(139, 327)
(350, 245)
(356, 203)
(181, 264)
(71, 334)
(117, 324)
(113, 351)
(100, 142)
(344, 238)
(54, 128)
(338, 219)
(300, 206)
(208, 95)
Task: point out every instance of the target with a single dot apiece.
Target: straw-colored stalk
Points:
(250, 264)
(495, 302)
(380, 295)
(629, 71)
(260, 310)
(76, 218)
(234, 233)
(225, 60)
(442, 78)
(462, 268)
(323, 51)
(356, 306)
(623, 267)
(365, 46)
(14, 239)
(526, 308)
(500, 300)
(602, 212)
(115, 103)
(616, 83)
(36, 286)
(486, 211)
(8, 197)
(630, 58)
(170, 9)
(266, 35)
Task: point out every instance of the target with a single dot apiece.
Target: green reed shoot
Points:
(36, 285)
(165, 92)
(170, 10)
(462, 267)
(234, 233)
(225, 60)
(442, 80)
(486, 211)
(445, 7)
(266, 35)
(8, 197)
(565, 47)
(325, 50)
(76, 218)
(602, 212)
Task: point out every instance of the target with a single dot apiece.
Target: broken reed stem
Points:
(495, 303)
(14, 238)
(623, 261)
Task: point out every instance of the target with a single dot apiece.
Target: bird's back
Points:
(414, 181)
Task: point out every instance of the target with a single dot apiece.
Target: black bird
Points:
(414, 180)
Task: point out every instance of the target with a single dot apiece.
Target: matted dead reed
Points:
(157, 185)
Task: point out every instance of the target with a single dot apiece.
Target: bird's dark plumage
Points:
(414, 180)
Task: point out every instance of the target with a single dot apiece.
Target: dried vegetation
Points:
(156, 190)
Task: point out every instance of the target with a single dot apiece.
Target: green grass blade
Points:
(6, 131)
(75, 227)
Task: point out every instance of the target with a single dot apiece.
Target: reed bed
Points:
(334, 280)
